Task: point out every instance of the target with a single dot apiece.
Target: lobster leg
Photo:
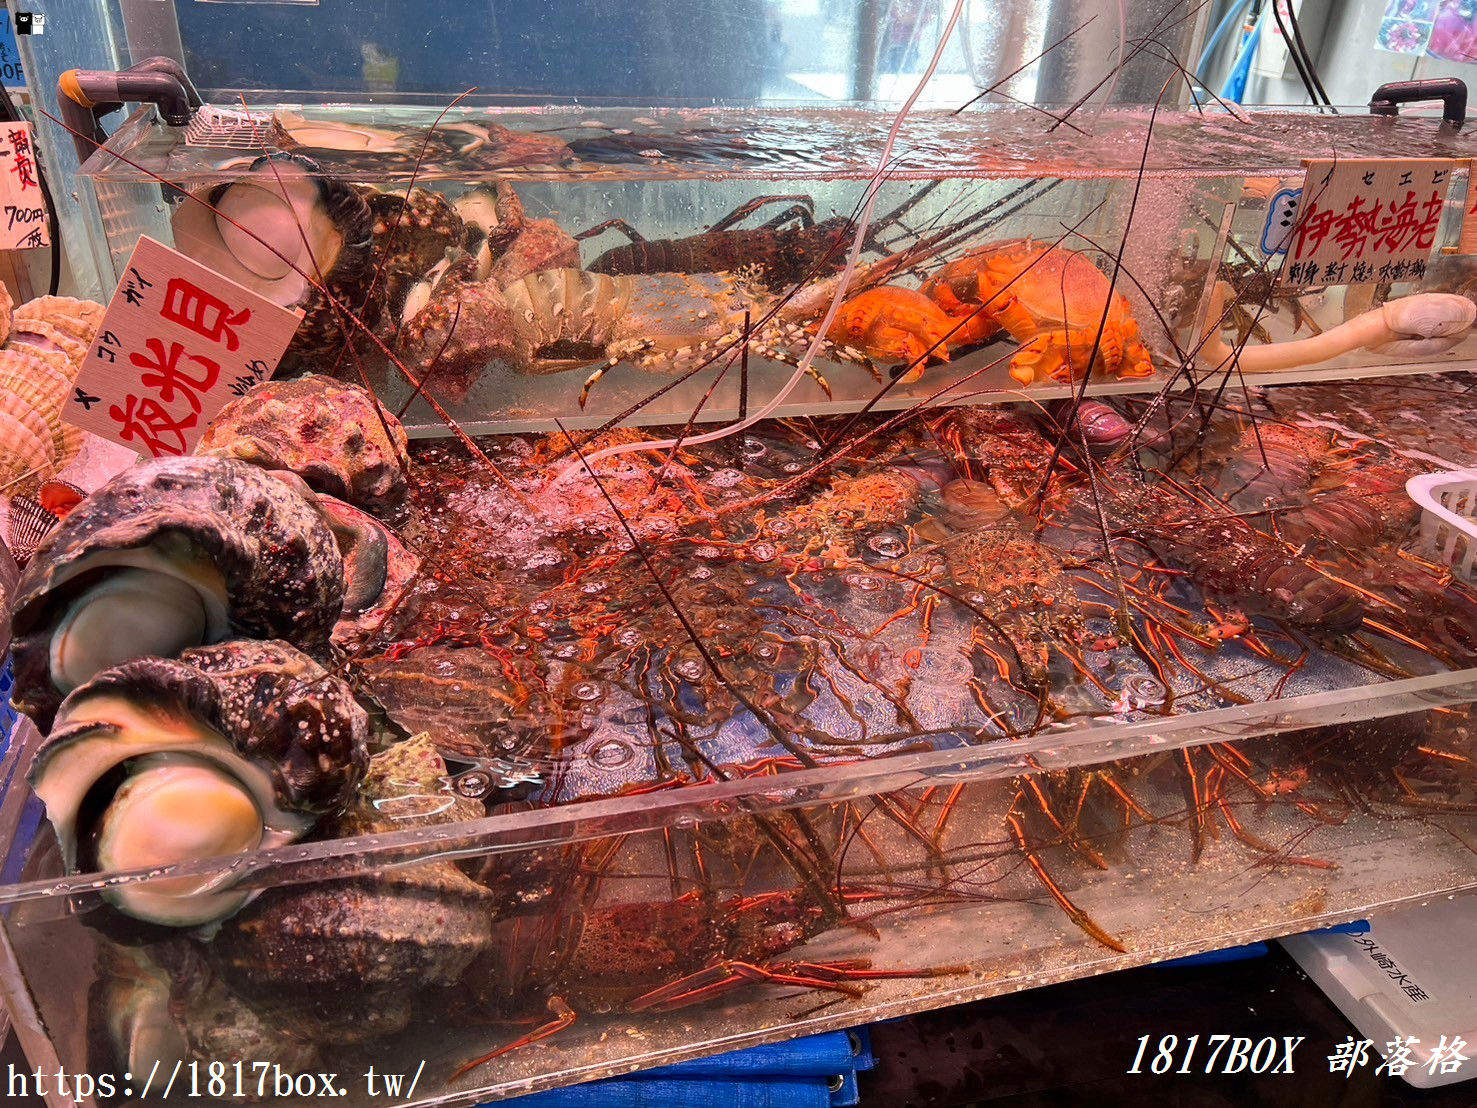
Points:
(726, 976)
(800, 212)
(749, 207)
(612, 224)
(590, 383)
(1018, 832)
(563, 1017)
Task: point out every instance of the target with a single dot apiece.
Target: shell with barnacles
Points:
(466, 325)
(308, 955)
(331, 434)
(172, 554)
(222, 751)
(507, 244)
(412, 232)
(162, 1006)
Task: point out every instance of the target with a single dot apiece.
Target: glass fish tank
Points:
(484, 716)
(586, 264)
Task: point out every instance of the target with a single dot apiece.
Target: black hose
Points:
(1297, 34)
(1292, 53)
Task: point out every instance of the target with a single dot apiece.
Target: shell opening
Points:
(129, 783)
(149, 601)
(125, 615)
(174, 808)
(273, 231)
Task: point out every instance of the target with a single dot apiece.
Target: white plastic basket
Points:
(1448, 503)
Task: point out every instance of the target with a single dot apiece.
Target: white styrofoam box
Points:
(1448, 502)
(1370, 977)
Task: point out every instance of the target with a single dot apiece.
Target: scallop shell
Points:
(22, 452)
(68, 445)
(78, 319)
(39, 381)
(7, 310)
(331, 434)
(30, 417)
(271, 549)
(39, 334)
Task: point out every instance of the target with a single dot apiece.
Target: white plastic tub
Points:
(1448, 518)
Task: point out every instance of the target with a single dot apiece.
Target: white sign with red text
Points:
(177, 343)
(23, 223)
(1366, 221)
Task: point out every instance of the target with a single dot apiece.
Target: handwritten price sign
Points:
(22, 206)
(178, 341)
(1367, 219)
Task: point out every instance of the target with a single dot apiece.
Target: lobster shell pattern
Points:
(1232, 561)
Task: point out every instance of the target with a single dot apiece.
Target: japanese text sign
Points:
(178, 341)
(1363, 220)
(22, 204)
(11, 73)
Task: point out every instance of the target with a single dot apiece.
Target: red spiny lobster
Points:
(1228, 558)
(657, 956)
(1316, 490)
(784, 255)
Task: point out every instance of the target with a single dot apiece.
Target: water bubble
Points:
(700, 573)
(590, 588)
(539, 606)
(628, 636)
(725, 478)
(611, 754)
(706, 551)
(1143, 690)
(659, 524)
(793, 467)
(779, 527)
(588, 690)
(475, 783)
(888, 545)
(766, 651)
(566, 650)
(863, 582)
(763, 551)
(690, 668)
(753, 448)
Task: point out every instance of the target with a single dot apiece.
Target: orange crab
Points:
(894, 325)
(1050, 300)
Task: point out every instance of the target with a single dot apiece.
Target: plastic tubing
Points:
(1233, 14)
(585, 464)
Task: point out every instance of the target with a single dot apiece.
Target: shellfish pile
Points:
(179, 637)
(45, 341)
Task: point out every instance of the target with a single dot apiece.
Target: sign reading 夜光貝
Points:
(178, 341)
(1365, 220)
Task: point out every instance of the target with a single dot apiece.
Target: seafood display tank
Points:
(1029, 634)
(580, 263)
